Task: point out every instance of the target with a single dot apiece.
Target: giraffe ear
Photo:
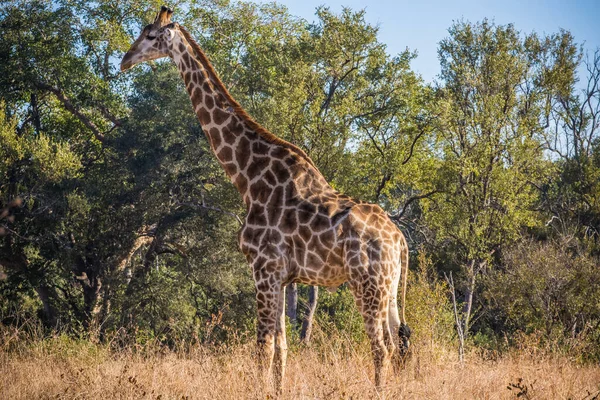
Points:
(169, 34)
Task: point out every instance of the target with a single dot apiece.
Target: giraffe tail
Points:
(404, 331)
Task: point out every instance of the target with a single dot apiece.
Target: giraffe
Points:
(297, 227)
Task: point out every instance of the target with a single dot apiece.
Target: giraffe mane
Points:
(239, 110)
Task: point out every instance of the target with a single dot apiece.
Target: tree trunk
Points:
(307, 324)
(91, 294)
(292, 305)
(463, 320)
(102, 310)
(139, 273)
(87, 272)
(122, 268)
(457, 318)
(43, 292)
(470, 289)
(473, 271)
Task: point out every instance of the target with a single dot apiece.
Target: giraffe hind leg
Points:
(372, 299)
(374, 314)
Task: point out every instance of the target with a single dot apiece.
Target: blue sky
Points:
(420, 25)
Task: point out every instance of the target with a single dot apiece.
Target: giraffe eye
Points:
(150, 37)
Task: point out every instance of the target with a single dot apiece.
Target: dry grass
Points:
(63, 369)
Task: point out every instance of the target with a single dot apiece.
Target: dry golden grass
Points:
(63, 369)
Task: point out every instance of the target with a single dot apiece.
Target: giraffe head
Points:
(153, 42)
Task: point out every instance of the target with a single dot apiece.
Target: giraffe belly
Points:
(322, 270)
(307, 276)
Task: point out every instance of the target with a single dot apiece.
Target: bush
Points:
(428, 309)
(337, 314)
(549, 291)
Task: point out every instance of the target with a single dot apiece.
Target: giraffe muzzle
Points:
(127, 62)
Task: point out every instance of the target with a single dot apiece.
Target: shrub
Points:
(549, 291)
(429, 310)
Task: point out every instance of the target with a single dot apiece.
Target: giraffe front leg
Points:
(268, 295)
(265, 336)
(280, 344)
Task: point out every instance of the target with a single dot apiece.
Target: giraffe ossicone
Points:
(297, 228)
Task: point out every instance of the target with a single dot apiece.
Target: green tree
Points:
(573, 199)
(494, 107)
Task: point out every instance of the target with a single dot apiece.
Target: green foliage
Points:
(337, 312)
(428, 308)
(553, 288)
(39, 157)
(490, 134)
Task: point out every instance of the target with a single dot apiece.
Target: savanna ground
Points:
(334, 368)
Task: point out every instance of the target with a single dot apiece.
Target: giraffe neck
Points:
(255, 160)
(221, 124)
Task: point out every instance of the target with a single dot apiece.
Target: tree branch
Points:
(412, 147)
(72, 109)
(410, 200)
(384, 180)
